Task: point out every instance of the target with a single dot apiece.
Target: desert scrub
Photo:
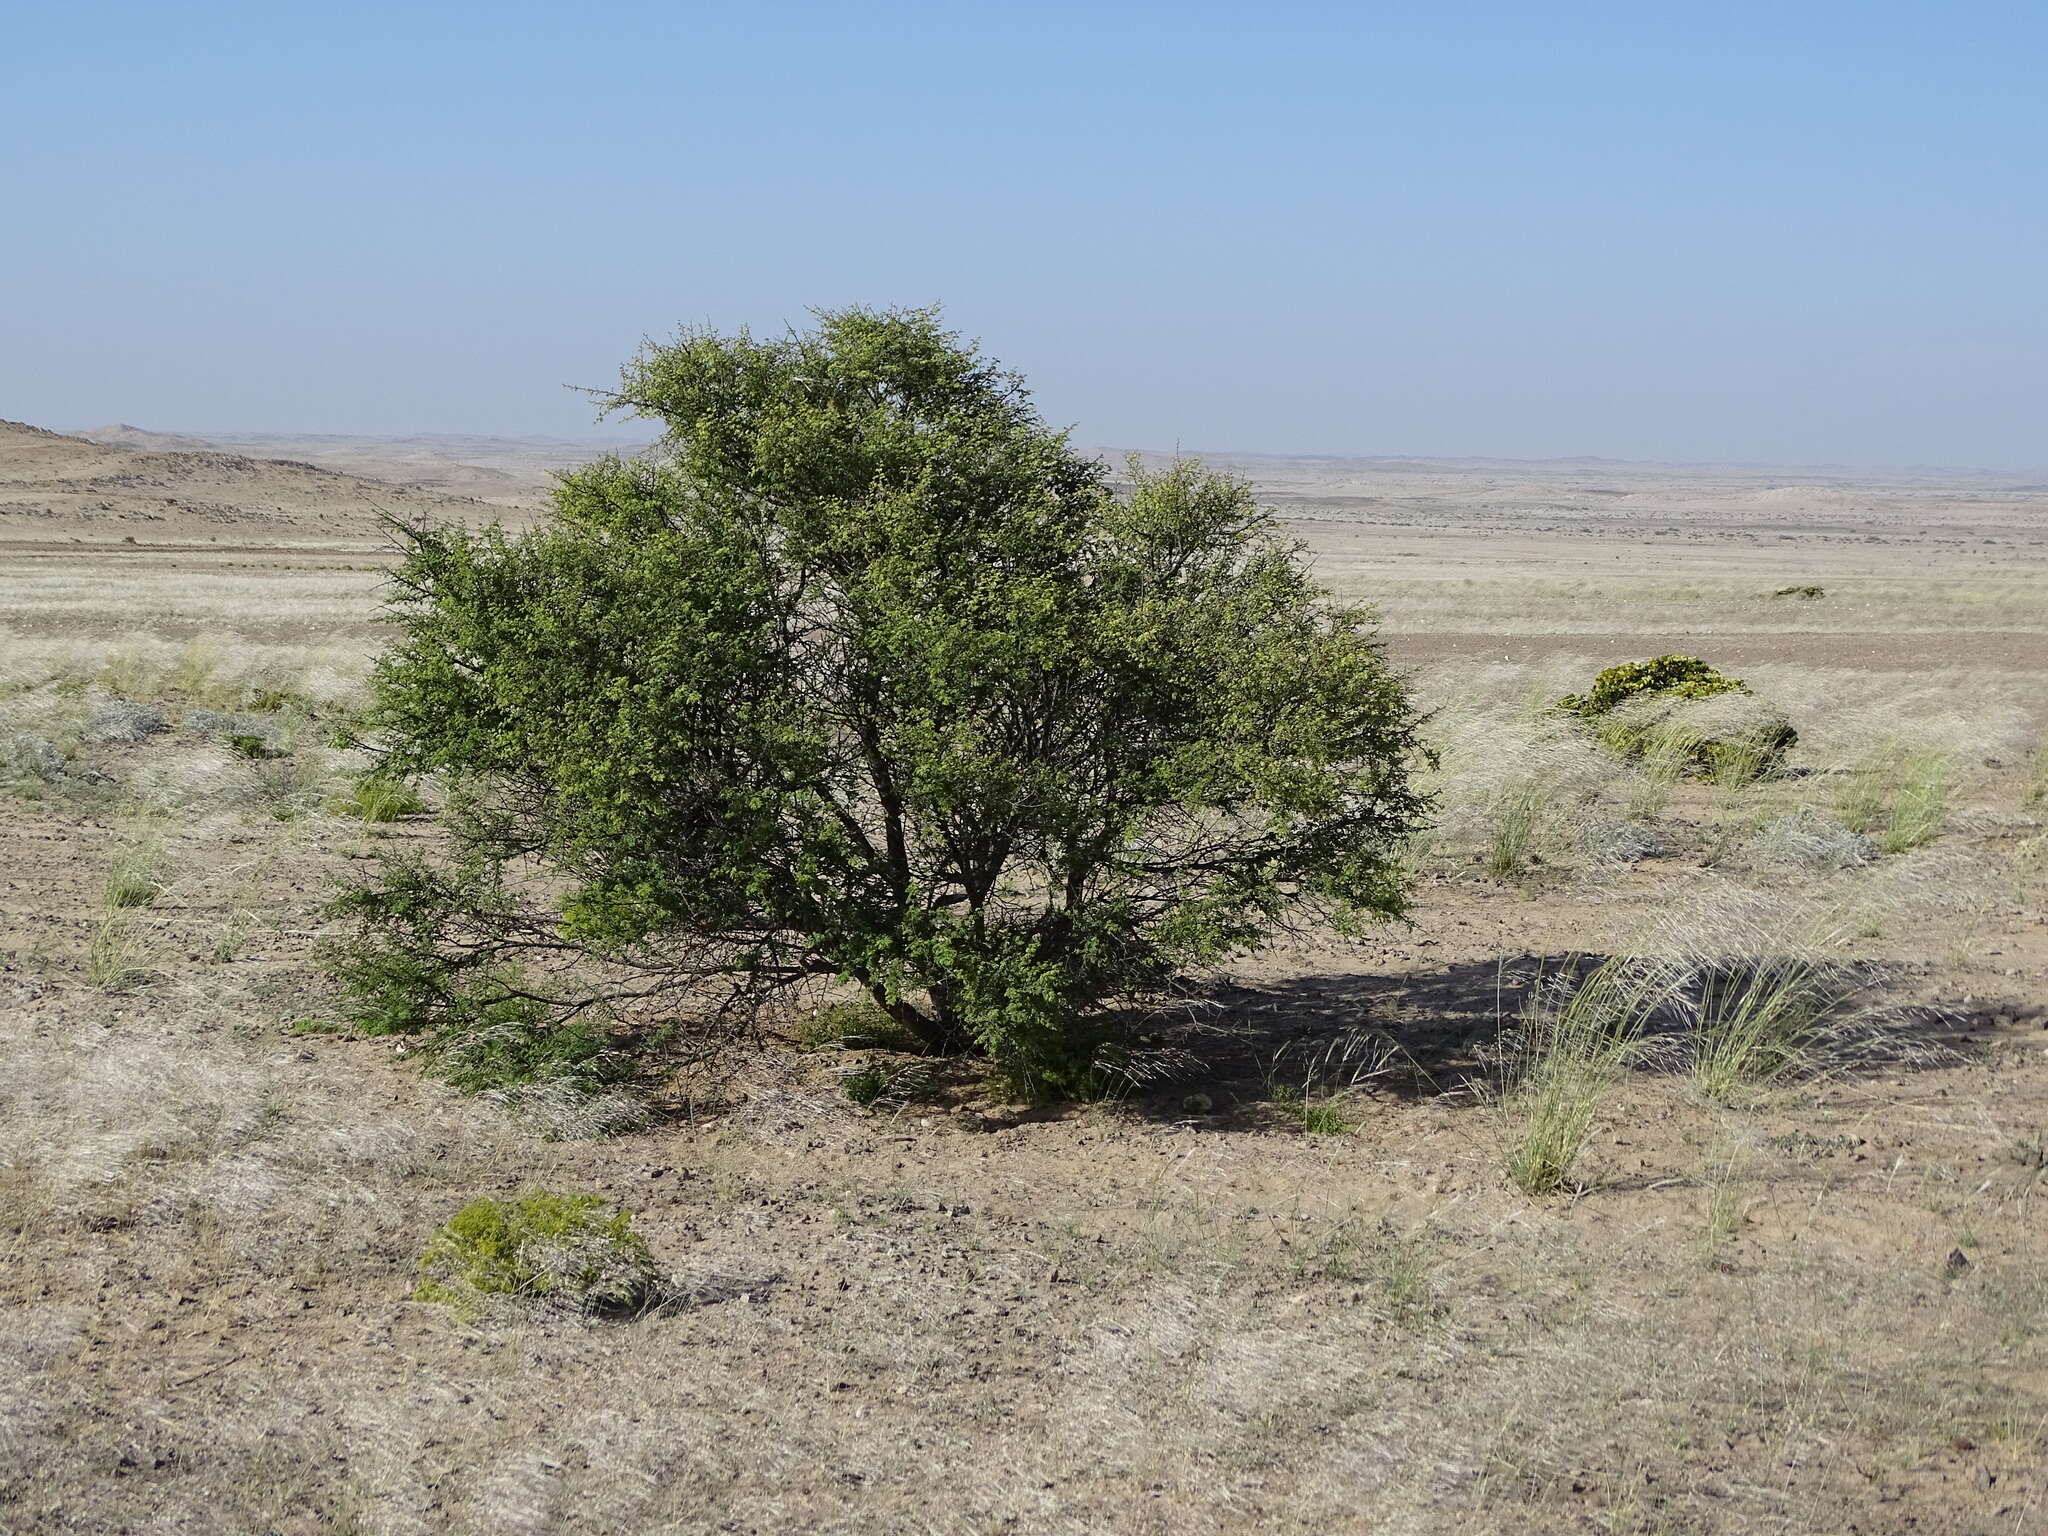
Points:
(1731, 739)
(481, 1029)
(285, 785)
(377, 797)
(563, 1250)
(1681, 677)
(135, 878)
(1574, 1044)
(515, 1049)
(1687, 718)
(1898, 796)
(29, 762)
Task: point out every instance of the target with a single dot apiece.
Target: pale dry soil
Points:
(1822, 1307)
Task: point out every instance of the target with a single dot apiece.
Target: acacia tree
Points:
(867, 673)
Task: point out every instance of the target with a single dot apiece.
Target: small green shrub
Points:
(565, 1250)
(1322, 1118)
(1648, 712)
(1684, 677)
(482, 1030)
(522, 1046)
(1808, 592)
(255, 748)
(377, 797)
(857, 1024)
(482, 1025)
(866, 1085)
(877, 1084)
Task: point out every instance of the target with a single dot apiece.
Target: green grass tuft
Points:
(562, 1249)
(376, 797)
(1898, 796)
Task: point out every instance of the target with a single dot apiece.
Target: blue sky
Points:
(1791, 232)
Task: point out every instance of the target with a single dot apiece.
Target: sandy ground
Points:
(1820, 1308)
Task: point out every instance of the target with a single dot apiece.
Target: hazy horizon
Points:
(1737, 237)
(625, 437)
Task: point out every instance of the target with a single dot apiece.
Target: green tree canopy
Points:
(868, 673)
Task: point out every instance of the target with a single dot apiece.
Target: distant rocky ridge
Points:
(54, 486)
(505, 471)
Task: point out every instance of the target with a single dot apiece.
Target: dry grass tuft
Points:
(1577, 1038)
(1899, 796)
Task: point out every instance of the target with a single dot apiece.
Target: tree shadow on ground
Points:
(1221, 1054)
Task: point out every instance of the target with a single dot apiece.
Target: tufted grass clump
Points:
(1572, 1049)
(1316, 1116)
(117, 959)
(1664, 757)
(1898, 796)
(568, 1251)
(875, 1085)
(377, 797)
(136, 876)
(1758, 1020)
(1513, 823)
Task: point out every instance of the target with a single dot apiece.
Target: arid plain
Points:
(1296, 1291)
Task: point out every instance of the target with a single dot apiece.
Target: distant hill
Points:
(121, 435)
(506, 471)
(130, 486)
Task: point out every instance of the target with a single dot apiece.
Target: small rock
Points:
(1958, 1261)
